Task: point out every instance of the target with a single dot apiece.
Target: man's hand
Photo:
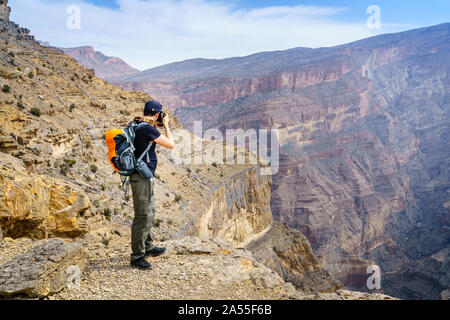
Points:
(167, 140)
(166, 120)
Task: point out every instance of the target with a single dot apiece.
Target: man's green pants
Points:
(144, 213)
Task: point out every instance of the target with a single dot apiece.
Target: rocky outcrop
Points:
(238, 266)
(235, 210)
(364, 143)
(42, 271)
(287, 252)
(39, 207)
(105, 67)
(4, 10)
(11, 28)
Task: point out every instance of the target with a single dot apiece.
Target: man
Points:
(143, 190)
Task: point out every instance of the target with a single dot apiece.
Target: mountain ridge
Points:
(106, 68)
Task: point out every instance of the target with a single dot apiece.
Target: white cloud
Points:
(155, 32)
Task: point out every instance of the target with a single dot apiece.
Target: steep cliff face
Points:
(364, 144)
(235, 210)
(105, 67)
(288, 252)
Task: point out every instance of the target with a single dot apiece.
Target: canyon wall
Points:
(235, 210)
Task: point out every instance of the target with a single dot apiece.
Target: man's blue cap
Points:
(152, 106)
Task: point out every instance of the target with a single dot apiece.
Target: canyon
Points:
(62, 209)
(364, 134)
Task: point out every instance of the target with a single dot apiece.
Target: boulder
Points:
(288, 253)
(37, 207)
(42, 271)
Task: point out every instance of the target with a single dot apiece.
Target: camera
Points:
(159, 121)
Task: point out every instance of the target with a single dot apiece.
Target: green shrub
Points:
(35, 112)
(72, 107)
(6, 88)
(107, 213)
(94, 168)
(64, 169)
(178, 198)
(157, 222)
(106, 241)
(70, 162)
(20, 105)
(30, 75)
(103, 187)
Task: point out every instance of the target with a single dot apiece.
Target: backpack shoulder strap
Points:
(145, 152)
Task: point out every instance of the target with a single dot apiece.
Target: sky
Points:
(150, 33)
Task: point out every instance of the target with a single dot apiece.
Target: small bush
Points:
(72, 107)
(35, 112)
(94, 168)
(103, 187)
(106, 241)
(107, 213)
(178, 198)
(157, 222)
(20, 105)
(64, 169)
(30, 75)
(70, 162)
(6, 88)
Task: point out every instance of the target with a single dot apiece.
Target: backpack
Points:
(121, 150)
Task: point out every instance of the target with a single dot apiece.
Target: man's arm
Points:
(166, 140)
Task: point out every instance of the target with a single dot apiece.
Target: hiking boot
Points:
(141, 263)
(155, 252)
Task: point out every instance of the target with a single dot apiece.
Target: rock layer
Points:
(37, 207)
(287, 252)
(41, 271)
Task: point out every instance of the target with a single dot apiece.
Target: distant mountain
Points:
(106, 68)
(365, 152)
